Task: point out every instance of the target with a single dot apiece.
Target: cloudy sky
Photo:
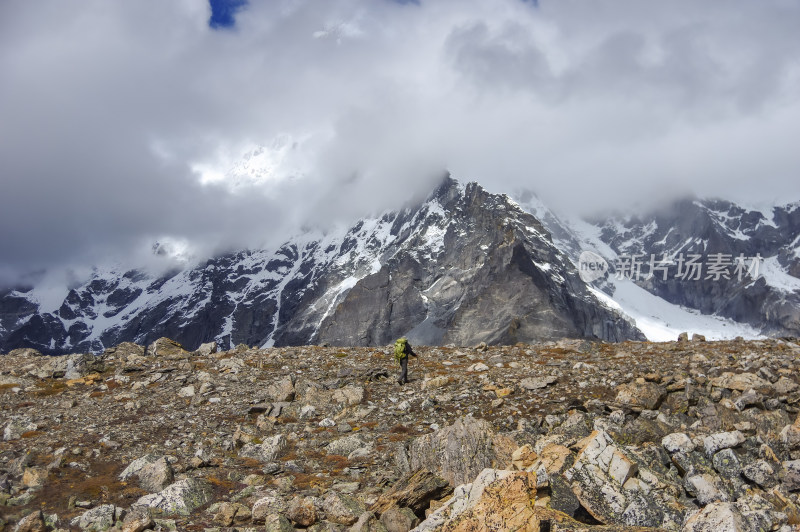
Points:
(124, 123)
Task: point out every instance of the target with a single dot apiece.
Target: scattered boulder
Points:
(415, 490)
(722, 440)
(678, 442)
(34, 477)
(717, 517)
(156, 476)
(399, 519)
(181, 497)
(785, 385)
(524, 457)
(640, 395)
(206, 349)
(341, 508)
(367, 522)
(138, 519)
(266, 451)
(100, 518)
(33, 522)
(740, 381)
(167, 349)
(506, 504)
(266, 506)
(229, 513)
(277, 523)
(791, 474)
(537, 383)
(282, 390)
(458, 452)
(302, 511)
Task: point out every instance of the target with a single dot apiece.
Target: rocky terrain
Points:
(565, 435)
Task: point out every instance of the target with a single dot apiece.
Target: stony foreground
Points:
(694, 436)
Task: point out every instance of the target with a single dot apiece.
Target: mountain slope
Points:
(759, 299)
(464, 266)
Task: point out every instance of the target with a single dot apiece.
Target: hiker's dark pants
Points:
(403, 370)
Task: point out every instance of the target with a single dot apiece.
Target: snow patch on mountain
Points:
(662, 321)
(775, 276)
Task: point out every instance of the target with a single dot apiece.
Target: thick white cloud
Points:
(114, 112)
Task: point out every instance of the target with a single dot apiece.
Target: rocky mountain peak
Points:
(462, 266)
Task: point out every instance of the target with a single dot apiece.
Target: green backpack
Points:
(400, 349)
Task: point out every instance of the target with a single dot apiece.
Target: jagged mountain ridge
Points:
(768, 300)
(464, 266)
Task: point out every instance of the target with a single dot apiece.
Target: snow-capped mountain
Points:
(708, 266)
(464, 266)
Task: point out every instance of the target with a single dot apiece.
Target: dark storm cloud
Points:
(111, 109)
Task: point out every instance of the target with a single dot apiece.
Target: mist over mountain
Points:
(463, 266)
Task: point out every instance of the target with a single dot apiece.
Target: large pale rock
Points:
(345, 446)
(553, 458)
(137, 520)
(741, 382)
(678, 442)
(506, 504)
(790, 436)
(67, 366)
(602, 479)
(154, 472)
(124, 351)
(281, 390)
(34, 477)
(267, 451)
(167, 348)
(181, 497)
(717, 517)
(349, 395)
(704, 488)
(206, 349)
(791, 474)
(536, 383)
(415, 491)
(457, 452)
(785, 385)
(399, 519)
(99, 518)
(368, 522)
(523, 457)
(437, 382)
(301, 511)
(33, 522)
(341, 508)
(268, 505)
(475, 490)
(640, 396)
(722, 440)
(156, 476)
(229, 513)
(621, 468)
(277, 523)
(16, 428)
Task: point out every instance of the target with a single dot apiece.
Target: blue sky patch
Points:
(223, 12)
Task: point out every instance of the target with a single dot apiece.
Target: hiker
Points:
(402, 348)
